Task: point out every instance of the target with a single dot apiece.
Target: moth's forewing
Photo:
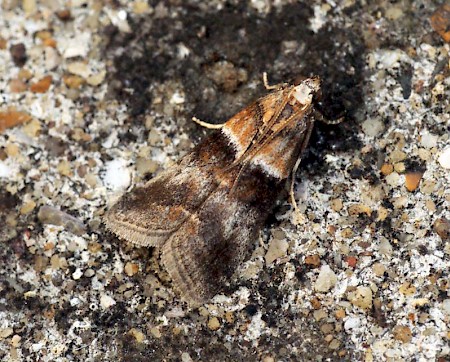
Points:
(204, 253)
(149, 214)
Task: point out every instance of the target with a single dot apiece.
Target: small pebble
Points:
(29, 6)
(131, 269)
(428, 140)
(24, 74)
(42, 85)
(399, 167)
(327, 328)
(313, 260)
(5, 332)
(32, 128)
(52, 59)
(141, 7)
(412, 180)
(11, 118)
(17, 86)
(64, 14)
(336, 205)
(185, 357)
(73, 81)
(393, 13)
(372, 127)
(145, 166)
(226, 75)
(229, 317)
(106, 301)
(387, 169)
(320, 314)
(326, 280)
(407, 289)
(79, 68)
(64, 168)
(385, 247)
(334, 344)
(424, 155)
(3, 43)
(446, 306)
(393, 179)
(379, 269)
(137, 334)
(78, 46)
(402, 333)
(27, 207)
(357, 209)
(15, 340)
(214, 324)
(440, 22)
(94, 247)
(54, 216)
(77, 274)
(117, 175)
(12, 150)
(89, 273)
(444, 159)
(96, 79)
(397, 156)
(18, 54)
(351, 261)
(442, 228)
(277, 249)
(361, 297)
(428, 187)
(156, 332)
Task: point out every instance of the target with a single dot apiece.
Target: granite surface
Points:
(98, 96)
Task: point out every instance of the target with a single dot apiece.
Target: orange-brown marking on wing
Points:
(240, 130)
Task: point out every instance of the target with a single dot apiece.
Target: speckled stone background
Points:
(98, 96)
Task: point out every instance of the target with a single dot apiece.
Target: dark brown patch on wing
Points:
(204, 253)
(149, 214)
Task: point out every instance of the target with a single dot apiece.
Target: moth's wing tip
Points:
(191, 293)
(128, 231)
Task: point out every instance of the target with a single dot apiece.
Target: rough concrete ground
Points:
(98, 97)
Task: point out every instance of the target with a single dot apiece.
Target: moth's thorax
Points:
(268, 133)
(306, 90)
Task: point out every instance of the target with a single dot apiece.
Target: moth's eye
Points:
(317, 96)
(298, 80)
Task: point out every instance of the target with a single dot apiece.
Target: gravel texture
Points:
(98, 97)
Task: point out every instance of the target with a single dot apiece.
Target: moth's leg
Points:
(291, 186)
(318, 116)
(303, 146)
(208, 125)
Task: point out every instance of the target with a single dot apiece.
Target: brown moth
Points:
(205, 213)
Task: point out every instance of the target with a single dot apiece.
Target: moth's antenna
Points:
(208, 125)
(271, 86)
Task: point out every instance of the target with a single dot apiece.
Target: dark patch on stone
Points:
(245, 39)
(63, 316)
(415, 165)
(242, 37)
(404, 77)
(251, 309)
(18, 54)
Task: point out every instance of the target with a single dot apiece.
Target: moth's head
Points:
(307, 90)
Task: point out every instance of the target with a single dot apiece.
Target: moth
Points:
(205, 212)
